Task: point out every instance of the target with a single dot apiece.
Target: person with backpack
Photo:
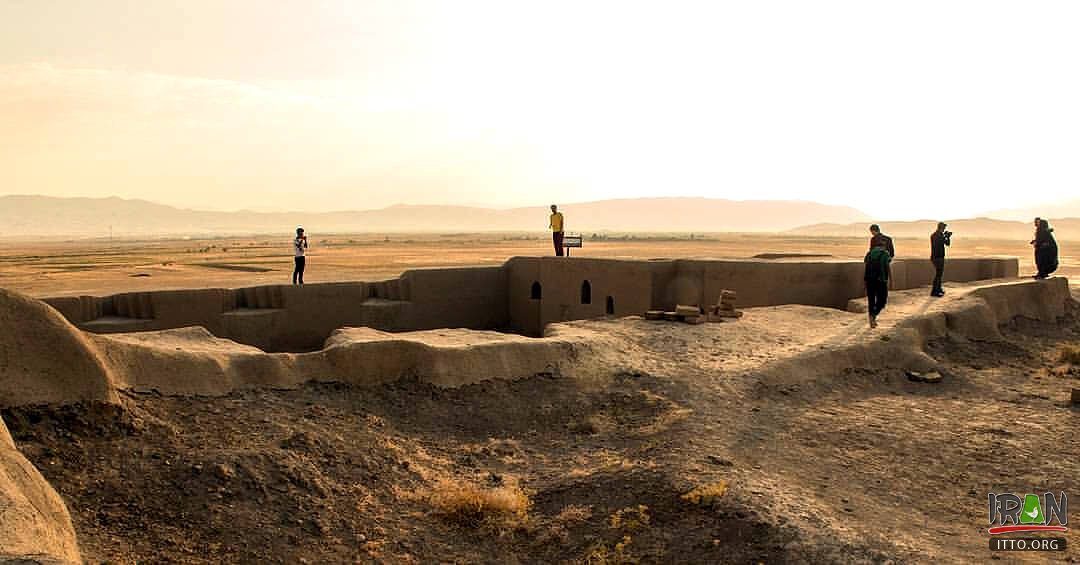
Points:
(876, 276)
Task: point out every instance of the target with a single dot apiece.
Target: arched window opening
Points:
(586, 292)
(610, 305)
(536, 293)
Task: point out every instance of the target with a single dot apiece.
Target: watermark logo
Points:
(1011, 513)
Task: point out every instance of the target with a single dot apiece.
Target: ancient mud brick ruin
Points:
(436, 325)
(522, 296)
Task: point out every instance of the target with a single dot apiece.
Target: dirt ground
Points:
(862, 466)
(54, 268)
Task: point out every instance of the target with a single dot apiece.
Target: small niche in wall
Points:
(610, 308)
(586, 292)
(536, 293)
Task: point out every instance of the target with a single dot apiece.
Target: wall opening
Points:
(610, 309)
(537, 292)
(586, 292)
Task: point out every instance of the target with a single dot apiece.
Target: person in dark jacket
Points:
(876, 236)
(1046, 249)
(939, 240)
(876, 276)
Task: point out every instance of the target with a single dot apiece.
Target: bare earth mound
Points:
(43, 358)
(36, 524)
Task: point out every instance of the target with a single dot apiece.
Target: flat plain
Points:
(97, 266)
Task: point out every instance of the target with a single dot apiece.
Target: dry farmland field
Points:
(96, 266)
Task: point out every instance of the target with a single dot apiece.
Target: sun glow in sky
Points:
(904, 110)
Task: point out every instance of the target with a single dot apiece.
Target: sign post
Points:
(571, 240)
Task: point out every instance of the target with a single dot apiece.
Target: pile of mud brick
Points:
(723, 310)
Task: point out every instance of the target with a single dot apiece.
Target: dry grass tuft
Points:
(474, 506)
(601, 554)
(1069, 354)
(631, 518)
(707, 495)
(556, 529)
(574, 513)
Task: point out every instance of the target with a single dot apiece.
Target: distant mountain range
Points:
(1066, 228)
(47, 216)
(1067, 209)
(95, 217)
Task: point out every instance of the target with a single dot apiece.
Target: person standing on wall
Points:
(876, 275)
(939, 240)
(300, 247)
(556, 225)
(1046, 249)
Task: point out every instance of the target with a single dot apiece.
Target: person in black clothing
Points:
(1046, 249)
(939, 240)
(877, 280)
(885, 242)
(876, 236)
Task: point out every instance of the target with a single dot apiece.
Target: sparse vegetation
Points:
(1069, 354)
(468, 504)
(556, 529)
(573, 514)
(626, 521)
(631, 518)
(707, 495)
(601, 554)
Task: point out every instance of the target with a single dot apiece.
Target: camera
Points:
(947, 235)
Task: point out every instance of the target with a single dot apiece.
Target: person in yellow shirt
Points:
(556, 226)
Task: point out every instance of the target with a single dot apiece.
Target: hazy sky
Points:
(903, 109)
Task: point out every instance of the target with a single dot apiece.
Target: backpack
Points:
(877, 265)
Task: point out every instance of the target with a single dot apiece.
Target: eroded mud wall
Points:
(641, 285)
(290, 318)
(547, 289)
(523, 295)
(44, 359)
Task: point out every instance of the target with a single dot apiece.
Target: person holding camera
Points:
(299, 248)
(939, 240)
